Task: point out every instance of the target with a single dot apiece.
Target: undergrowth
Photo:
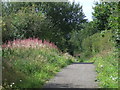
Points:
(106, 64)
(31, 67)
(100, 49)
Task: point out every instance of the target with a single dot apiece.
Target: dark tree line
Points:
(47, 21)
(62, 23)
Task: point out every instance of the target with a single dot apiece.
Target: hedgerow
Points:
(30, 63)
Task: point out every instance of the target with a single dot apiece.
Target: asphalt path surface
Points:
(77, 75)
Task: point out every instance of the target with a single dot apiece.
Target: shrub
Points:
(30, 63)
(107, 69)
(100, 49)
(97, 43)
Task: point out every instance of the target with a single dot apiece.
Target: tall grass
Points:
(100, 49)
(107, 68)
(30, 63)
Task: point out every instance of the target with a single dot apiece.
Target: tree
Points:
(101, 14)
(47, 21)
(77, 37)
(25, 22)
(106, 16)
(66, 16)
(114, 21)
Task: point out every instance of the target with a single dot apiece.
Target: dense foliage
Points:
(30, 63)
(77, 37)
(95, 41)
(98, 42)
(99, 48)
(46, 21)
(102, 47)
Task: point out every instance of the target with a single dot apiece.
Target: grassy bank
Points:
(100, 49)
(106, 64)
(30, 63)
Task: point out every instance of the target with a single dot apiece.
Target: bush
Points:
(107, 69)
(97, 43)
(30, 63)
(77, 36)
(100, 49)
(25, 23)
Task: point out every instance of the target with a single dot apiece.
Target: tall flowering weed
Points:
(29, 63)
(29, 43)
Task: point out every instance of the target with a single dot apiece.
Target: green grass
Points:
(31, 67)
(106, 64)
(100, 49)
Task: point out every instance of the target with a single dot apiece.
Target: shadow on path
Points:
(82, 63)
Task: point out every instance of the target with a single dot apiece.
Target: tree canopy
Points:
(47, 21)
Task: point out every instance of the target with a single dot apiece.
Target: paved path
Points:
(78, 75)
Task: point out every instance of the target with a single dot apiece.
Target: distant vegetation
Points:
(29, 30)
(104, 55)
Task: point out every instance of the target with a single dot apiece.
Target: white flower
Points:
(111, 76)
(20, 80)
(101, 66)
(114, 78)
(11, 85)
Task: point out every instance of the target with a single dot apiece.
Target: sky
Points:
(87, 7)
